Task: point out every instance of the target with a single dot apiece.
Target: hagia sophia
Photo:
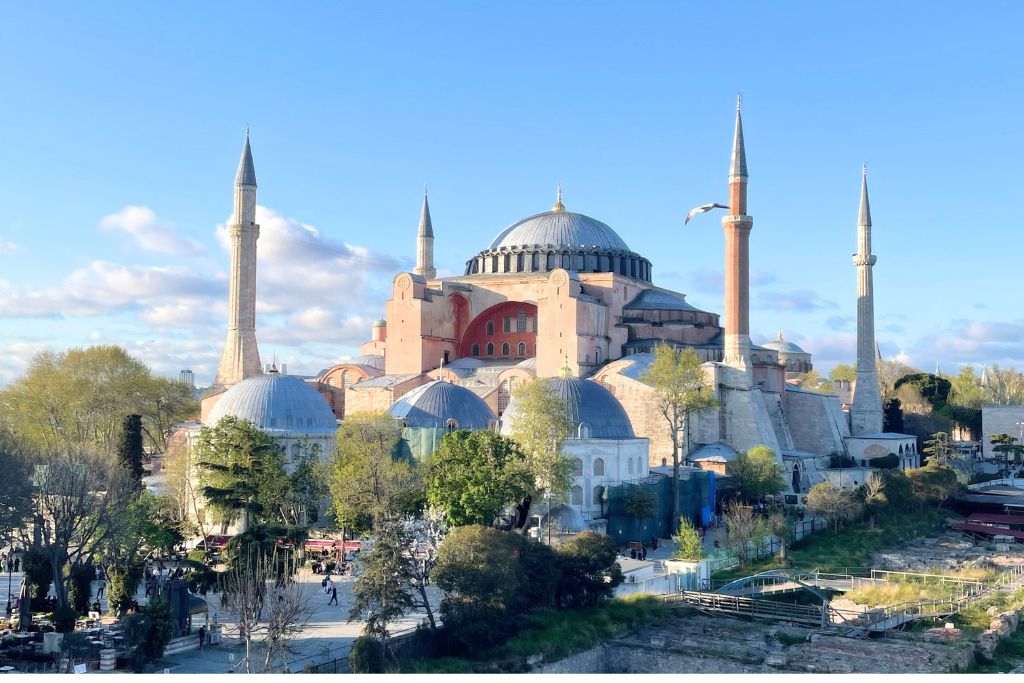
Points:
(561, 295)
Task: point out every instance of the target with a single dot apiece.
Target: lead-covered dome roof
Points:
(592, 410)
(783, 346)
(432, 405)
(278, 404)
(560, 228)
(556, 239)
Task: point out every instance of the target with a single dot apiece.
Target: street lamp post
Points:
(10, 579)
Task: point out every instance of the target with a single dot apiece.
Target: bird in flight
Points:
(703, 209)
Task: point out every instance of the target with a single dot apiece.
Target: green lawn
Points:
(850, 547)
(555, 634)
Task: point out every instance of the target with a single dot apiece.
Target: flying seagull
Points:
(703, 209)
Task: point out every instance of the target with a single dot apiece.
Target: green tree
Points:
(680, 386)
(843, 372)
(640, 504)
(367, 656)
(366, 482)
(933, 484)
(1006, 446)
(899, 493)
(1005, 386)
(15, 488)
(812, 381)
(875, 499)
(539, 426)
(129, 449)
(159, 629)
(589, 570)
(241, 470)
(307, 486)
(72, 520)
(745, 531)
(780, 525)
(889, 372)
(758, 473)
(966, 398)
(688, 545)
(476, 475)
(835, 505)
(383, 590)
(77, 399)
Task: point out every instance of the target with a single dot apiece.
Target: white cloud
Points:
(7, 247)
(797, 301)
(316, 299)
(149, 232)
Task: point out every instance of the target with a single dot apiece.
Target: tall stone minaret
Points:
(425, 244)
(866, 410)
(737, 226)
(241, 357)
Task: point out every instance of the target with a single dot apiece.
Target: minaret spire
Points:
(241, 357)
(737, 226)
(866, 409)
(425, 243)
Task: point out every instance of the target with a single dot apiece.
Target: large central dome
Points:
(559, 239)
(559, 228)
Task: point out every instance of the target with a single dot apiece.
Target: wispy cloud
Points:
(796, 301)
(150, 233)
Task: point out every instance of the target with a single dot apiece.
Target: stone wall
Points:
(815, 421)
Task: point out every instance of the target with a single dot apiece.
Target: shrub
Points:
(38, 573)
(197, 556)
(159, 630)
(367, 656)
(122, 583)
(688, 545)
(80, 588)
(64, 619)
(888, 462)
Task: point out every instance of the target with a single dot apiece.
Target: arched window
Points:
(346, 378)
(639, 465)
(490, 328)
(522, 349)
(296, 451)
(901, 449)
(597, 354)
(451, 424)
(508, 263)
(519, 262)
(476, 350)
(577, 468)
(521, 320)
(577, 495)
(598, 497)
(505, 349)
(599, 467)
(490, 349)
(583, 431)
(629, 465)
(506, 326)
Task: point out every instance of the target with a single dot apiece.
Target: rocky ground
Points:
(698, 643)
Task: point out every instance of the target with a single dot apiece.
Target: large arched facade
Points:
(507, 330)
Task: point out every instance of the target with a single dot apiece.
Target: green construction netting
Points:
(695, 501)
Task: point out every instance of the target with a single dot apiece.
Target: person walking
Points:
(334, 596)
(101, 586)
(202, 636)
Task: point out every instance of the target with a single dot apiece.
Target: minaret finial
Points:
(779, 338)
(558, 198)
(566, 370)
(738, 167)
(739, 99)
(864, 218)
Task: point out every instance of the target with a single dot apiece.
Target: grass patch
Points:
(788, 639)
(851, 547)
(1009, 653)
(556, 634)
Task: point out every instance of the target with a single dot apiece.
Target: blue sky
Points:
(122, 124)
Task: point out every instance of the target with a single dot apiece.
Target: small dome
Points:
(370, 360)
(783, 346)
(465, 363)
(713, 452)
(564, 519)
(560, 228)
(432, 405)
(593, 411)
(278, 404)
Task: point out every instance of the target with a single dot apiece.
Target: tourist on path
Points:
(334, 596)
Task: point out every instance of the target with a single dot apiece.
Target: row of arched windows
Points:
(506, 349)
(598, 496)
(536, 262)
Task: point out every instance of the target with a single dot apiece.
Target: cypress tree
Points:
(129, 450)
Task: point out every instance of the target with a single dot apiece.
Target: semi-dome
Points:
(592, 410)
(564, 520)
(783, 346)
(435, 404)
(278, 404)
(558, 228)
